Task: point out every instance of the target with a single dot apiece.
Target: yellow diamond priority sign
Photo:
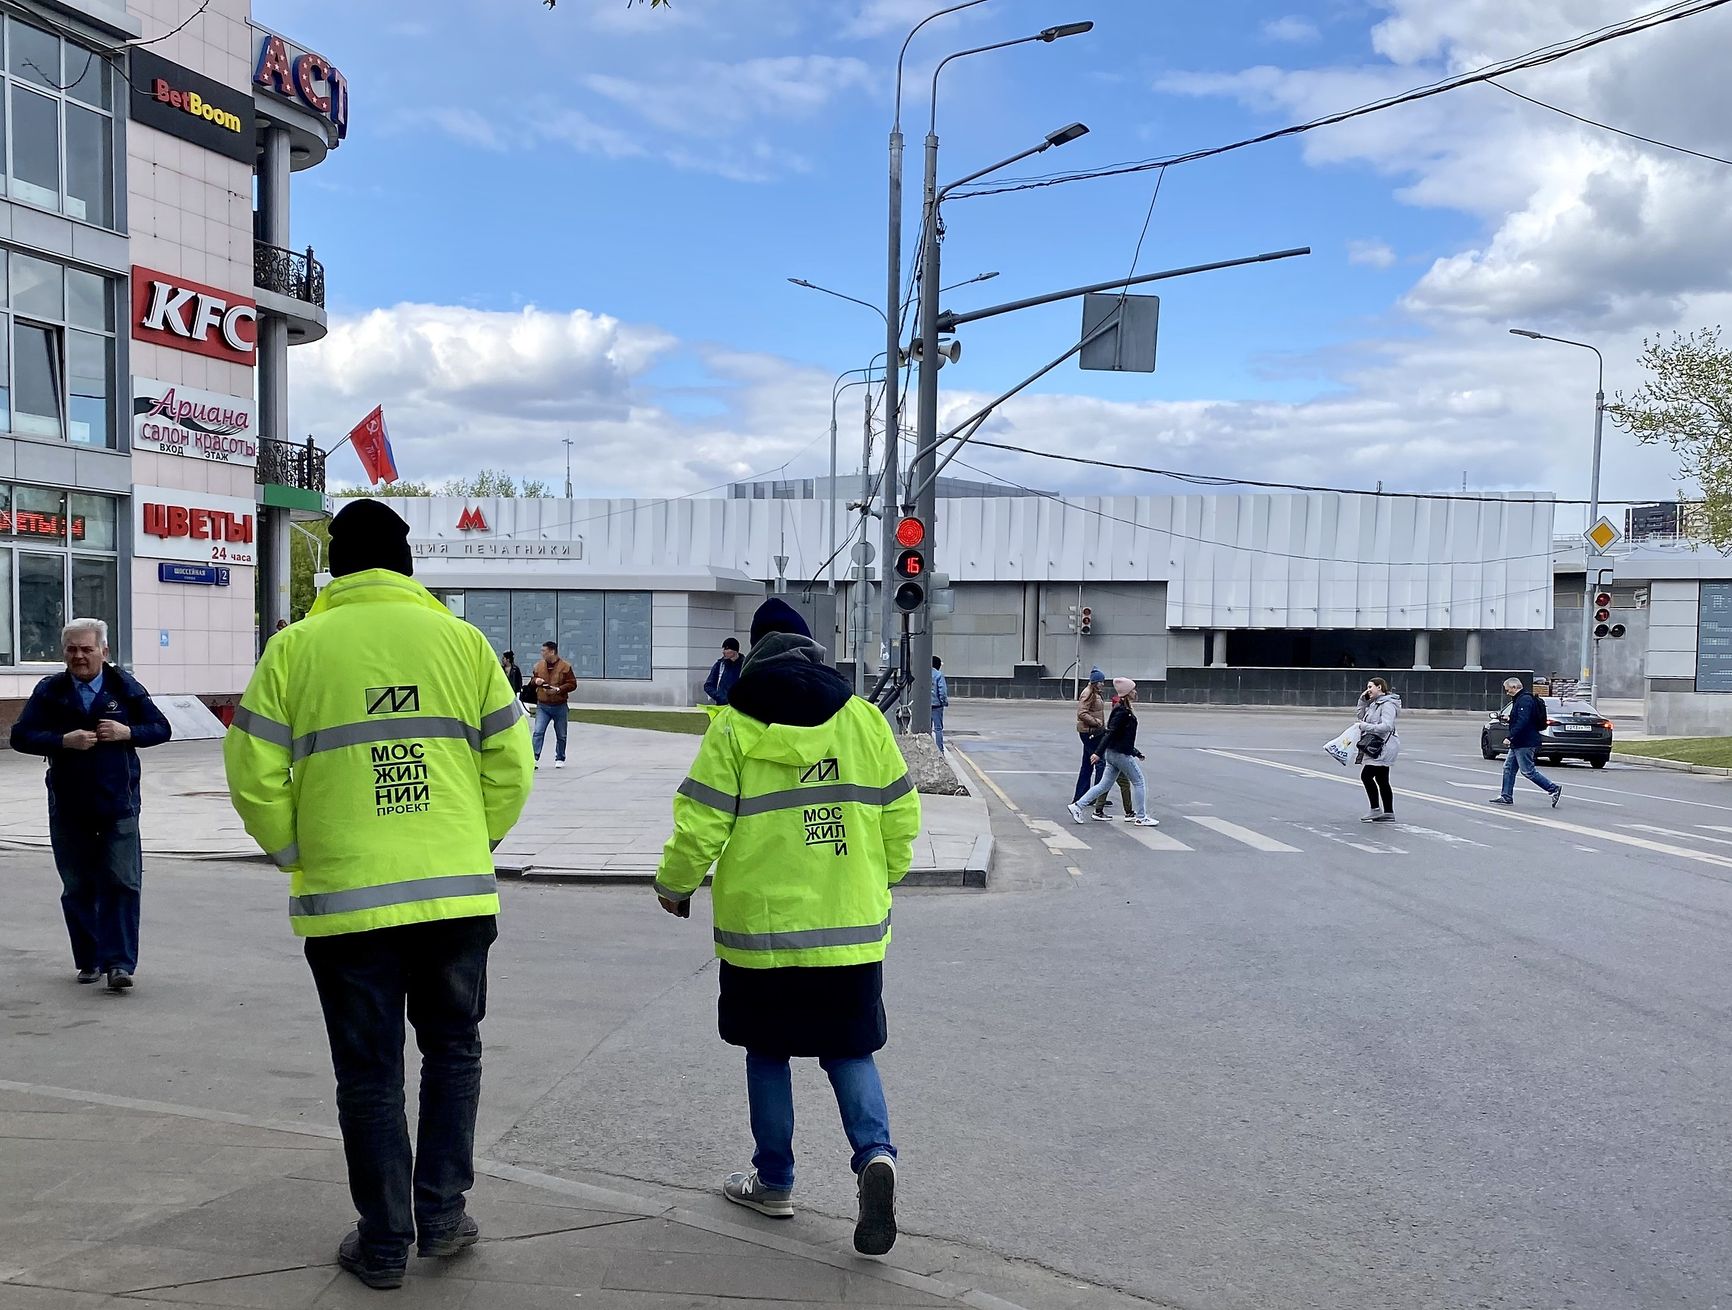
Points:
(1603, 535)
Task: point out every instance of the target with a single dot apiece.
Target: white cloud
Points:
(1291, 30)
(1372, 254)
(466, 126)
(708, 99)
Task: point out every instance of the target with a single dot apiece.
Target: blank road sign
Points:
(1128, 346)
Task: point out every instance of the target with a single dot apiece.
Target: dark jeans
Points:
(1090, 773)
(101, 876)
(366, 980)
(770, 1095)
(1376, 780)
(1522, 757)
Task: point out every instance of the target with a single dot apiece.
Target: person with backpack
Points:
(1527, 717)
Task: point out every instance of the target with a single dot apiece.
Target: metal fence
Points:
(291, 273)
(290, 464)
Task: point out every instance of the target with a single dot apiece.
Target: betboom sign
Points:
(193, 525)
(170, 419)
(171, 311)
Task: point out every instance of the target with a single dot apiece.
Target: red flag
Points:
(372, 443)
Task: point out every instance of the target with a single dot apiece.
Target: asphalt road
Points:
(1263, 1056)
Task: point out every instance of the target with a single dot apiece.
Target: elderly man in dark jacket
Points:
(90, 721)
(1527, 718)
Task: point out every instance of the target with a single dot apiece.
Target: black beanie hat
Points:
(777, 616)
(367, 534)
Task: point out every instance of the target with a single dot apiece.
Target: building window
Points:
(602, 634)
(59, 323)
(58, 560)
(57, 115)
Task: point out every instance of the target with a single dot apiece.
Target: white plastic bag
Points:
(1341, 749)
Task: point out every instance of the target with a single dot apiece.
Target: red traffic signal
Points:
(910, 532)
(1603, 599)
(1602, 615)
(910, 564)
(1086, 622)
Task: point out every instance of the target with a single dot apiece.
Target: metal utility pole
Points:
(568, 445)
(862, 588)
(1590, 581)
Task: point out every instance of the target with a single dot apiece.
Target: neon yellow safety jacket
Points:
(808, 828)
(379, 755)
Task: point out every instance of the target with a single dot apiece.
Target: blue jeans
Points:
(770, 1092)
(938, 726)
(1522, 757)
(101, 878)
(366, 980)
(1115, 765)
(557, 715)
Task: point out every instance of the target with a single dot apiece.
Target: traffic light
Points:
(1086, 621)
(911, 565)
(1603, 615)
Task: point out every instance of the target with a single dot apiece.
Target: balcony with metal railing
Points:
(291, 464)
(291, 285)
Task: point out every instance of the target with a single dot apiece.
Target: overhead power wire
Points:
(1607, 127)
(1533, 59)
(1223, 480)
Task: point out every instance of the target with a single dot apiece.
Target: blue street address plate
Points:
(204, 575)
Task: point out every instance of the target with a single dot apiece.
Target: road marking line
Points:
(1348, 841)
(1448, 837)
(1588, 786)
(1255, 840)
(980, 773)
(1673, 832)
(1056, 837)
(1585, 800)
(1559, 825)
(1074, 871)
(1155, 839)
(1714, 827)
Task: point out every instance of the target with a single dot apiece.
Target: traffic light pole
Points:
(925, 501)
(1590, 583)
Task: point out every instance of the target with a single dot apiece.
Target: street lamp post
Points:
(1589, 653)
(568, 445)
(926, 503)
(836, 391)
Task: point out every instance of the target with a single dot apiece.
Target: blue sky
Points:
(581, 221)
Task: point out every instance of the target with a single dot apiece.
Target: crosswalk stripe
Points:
(1673, 832)
(1569, 795)
(1056, 837)
(1255, 840)
(1155, 839)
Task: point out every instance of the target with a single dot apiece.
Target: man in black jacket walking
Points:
(89, 722)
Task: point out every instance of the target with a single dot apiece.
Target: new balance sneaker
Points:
(373, 1270)
(1076, 812)
(1101, 816)
(875, 1232)
(749, 1190)
(1557, 796)
(1501, 800)
(1145, 821)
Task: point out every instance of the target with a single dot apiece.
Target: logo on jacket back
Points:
(400, 783)
(472, 520)
(824, 825)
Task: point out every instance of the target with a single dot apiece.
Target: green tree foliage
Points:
(1687, 403)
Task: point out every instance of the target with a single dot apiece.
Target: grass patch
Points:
(692, 722)
(1713, 751)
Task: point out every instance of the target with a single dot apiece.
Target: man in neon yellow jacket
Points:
(379, 755)
(801, 799)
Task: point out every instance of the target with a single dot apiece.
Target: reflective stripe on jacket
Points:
(378, 755)
(808, 827)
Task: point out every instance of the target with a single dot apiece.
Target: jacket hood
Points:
(787, 700)
(374, 586)
(1388, 697)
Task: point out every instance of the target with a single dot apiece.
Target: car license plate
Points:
(1576, 727)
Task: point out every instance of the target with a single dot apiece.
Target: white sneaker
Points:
(559, 764)
(1144, 821)
(1076, 812)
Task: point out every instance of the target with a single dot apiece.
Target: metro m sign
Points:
(472, 520)
(171, 311)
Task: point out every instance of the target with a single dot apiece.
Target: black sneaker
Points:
(1557, 796)
(875, 1233)
(438, 1245)
(89, 975)
(381, 1275)
(1500, 800)
(119, 980)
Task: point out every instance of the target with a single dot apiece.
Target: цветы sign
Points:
(198, 526)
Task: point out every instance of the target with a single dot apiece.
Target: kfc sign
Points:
(171, 311)
(193, 526)
(472, 520)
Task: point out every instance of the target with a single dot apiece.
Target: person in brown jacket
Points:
(554, 680)
(1091, 726)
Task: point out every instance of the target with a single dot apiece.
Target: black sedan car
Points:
(1574, 730)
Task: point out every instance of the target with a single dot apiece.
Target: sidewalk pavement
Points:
(601, 819)
(109, 1202)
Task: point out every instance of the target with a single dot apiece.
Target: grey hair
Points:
(1512, 682)
(98, 626)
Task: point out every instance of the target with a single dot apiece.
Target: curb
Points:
(973, 874)
(1676, 766)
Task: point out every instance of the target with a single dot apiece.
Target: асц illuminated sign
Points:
(301, 77)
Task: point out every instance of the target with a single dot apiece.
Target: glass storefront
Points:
(59, 559)
(605, 634)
